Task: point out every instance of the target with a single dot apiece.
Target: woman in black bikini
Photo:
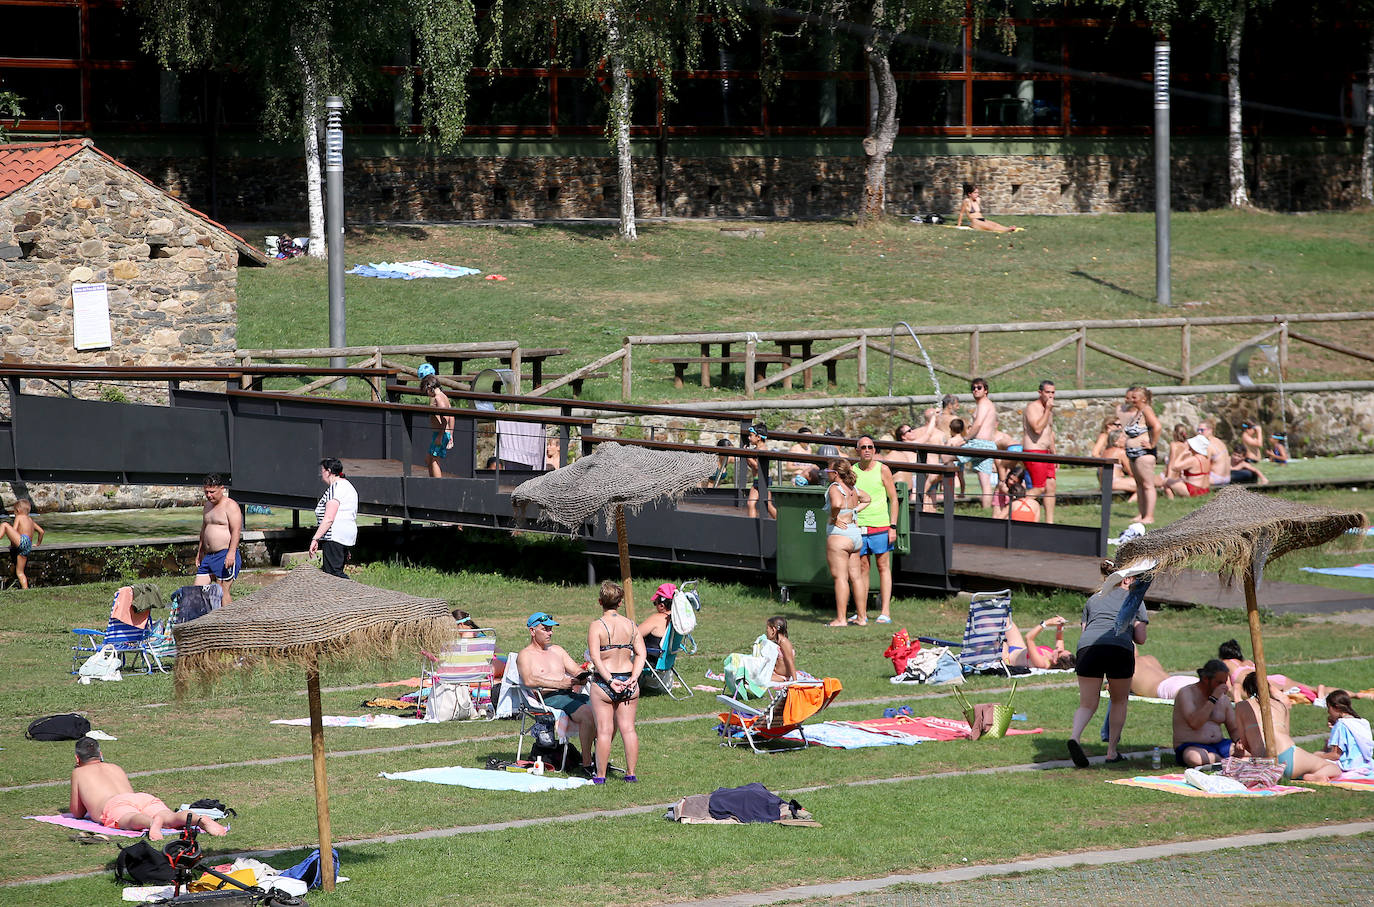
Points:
(617, 652)
(1142, 429)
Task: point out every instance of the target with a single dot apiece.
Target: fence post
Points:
(1081, 361)
(750, 347)
(973, 352)
(626, 378)
(1283, 350)
(1185, 356)
(862, 360)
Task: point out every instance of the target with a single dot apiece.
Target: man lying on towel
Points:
(1200, 712)
(102, 791)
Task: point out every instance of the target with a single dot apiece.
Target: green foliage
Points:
(325, 47)
(131, 562)
(113, 395)
(9, 110)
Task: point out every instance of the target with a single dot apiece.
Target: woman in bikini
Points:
(618, 656)
(1142, 428)
(843, 537)
(1109, 424)
(1151, 681)
(972, 208)
(1190, 472)
(1020, 651)
(1295, 760)
(785, 668)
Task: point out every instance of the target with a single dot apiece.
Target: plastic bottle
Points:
(1154, 758)
(538, 766)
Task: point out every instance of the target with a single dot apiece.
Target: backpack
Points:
(683, 614)
(143, 864)
(554, 757)
(196, 601)
(59, 727)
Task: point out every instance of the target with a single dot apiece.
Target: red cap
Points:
(665, 592)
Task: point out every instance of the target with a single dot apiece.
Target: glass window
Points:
(819, 103)
(929, 49)
(41, 32)
(1023, 48)
(930, 102)
(1109, 104)
(1116, 48)
(717, 102)
(1016, 103)
(113, 33)
(508, 101)
(41, 90)
(126, 96)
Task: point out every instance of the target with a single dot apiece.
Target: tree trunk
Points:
(1235, 142)
(1367, 155)
(310, 134)
(620, 123)
(882, 131)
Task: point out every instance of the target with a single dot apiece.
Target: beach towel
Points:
(1363, 571)
(1135, 698)
(66, 821)
(368, 721)
(842, 735)
(1175, 784)
(1365, 784)
(481, 779)
(411, 270)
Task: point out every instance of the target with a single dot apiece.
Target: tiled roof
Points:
(20, 165)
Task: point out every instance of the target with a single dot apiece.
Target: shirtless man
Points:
(102, 791)
(949, 408)
(981, 434)
(550, 670)
(1037, 436)
(217, 555)
(1252, 436)
(441, 440)
(1218, 458)
(1200, 712)
(972, 208)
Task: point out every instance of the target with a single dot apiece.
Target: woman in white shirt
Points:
(337, 513)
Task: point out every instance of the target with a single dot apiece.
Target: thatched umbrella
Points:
(1240, 532)
(606, 482)
(306, 616)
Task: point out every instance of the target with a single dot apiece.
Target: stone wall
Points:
(398, 187)
(171, 275)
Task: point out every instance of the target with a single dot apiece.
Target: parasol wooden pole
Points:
(1261, 674)
(312, 685)
(623, 544)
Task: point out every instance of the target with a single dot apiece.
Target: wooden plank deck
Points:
(1192, 587)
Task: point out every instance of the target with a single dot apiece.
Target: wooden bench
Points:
(680, 363)
(804, 355)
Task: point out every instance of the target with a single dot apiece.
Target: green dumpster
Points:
(802, 519)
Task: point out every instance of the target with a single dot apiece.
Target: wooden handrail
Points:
(975, 453)
(477, 414)
(755, 453)
(630, 408)
(410, 349)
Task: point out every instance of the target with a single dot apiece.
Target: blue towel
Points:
(482, 779)
(1363, 571)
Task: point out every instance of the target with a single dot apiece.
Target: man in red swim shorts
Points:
(1037, 436)
(101, 790)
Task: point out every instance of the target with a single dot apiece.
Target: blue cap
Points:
(424, 371)
(541, 619)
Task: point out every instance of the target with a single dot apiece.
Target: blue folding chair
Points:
(660, 672)
(985, 632)
(125, 638)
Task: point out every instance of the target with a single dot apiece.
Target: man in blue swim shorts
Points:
(217, 556)
(550, 670)
(1201, 710)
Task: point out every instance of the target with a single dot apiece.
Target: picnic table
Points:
(762, 360)
(804, 355)
(535, 357)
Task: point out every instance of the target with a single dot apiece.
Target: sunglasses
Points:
(867, 447)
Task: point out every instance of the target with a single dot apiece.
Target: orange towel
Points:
(803, 702)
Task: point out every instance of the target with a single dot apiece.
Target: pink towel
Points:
(66, 821)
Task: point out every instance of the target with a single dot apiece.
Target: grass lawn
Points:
(578, 287)
(883, 810)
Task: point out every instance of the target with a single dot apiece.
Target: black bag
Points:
(211, 803)
(58, 727)
(196, 601)
(144, 864)
(554, 758)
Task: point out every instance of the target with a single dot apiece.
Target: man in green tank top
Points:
(878, 522)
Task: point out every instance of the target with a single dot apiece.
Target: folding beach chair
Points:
(765, 728)
(989, 614)
(526, 703)
(467, 661)
(126, 639)
(660, 670)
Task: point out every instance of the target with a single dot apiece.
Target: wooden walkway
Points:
(1192, 587)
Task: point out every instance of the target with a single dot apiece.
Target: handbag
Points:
(449, 702)
(1001, 714)
(103, 665)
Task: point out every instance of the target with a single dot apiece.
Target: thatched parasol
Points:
(606, 482)
(306, 616)
(1240, 531)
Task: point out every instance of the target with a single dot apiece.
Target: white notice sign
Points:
(90, 316)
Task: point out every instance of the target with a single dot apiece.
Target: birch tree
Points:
(301, 53)
(625, 40)
(1229, 17)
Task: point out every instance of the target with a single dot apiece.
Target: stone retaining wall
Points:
(419, 188)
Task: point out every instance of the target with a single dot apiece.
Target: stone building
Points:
(73, 220)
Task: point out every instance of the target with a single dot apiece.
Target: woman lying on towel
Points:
(1151, 681)
(1231, 653)
(1020, 651)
